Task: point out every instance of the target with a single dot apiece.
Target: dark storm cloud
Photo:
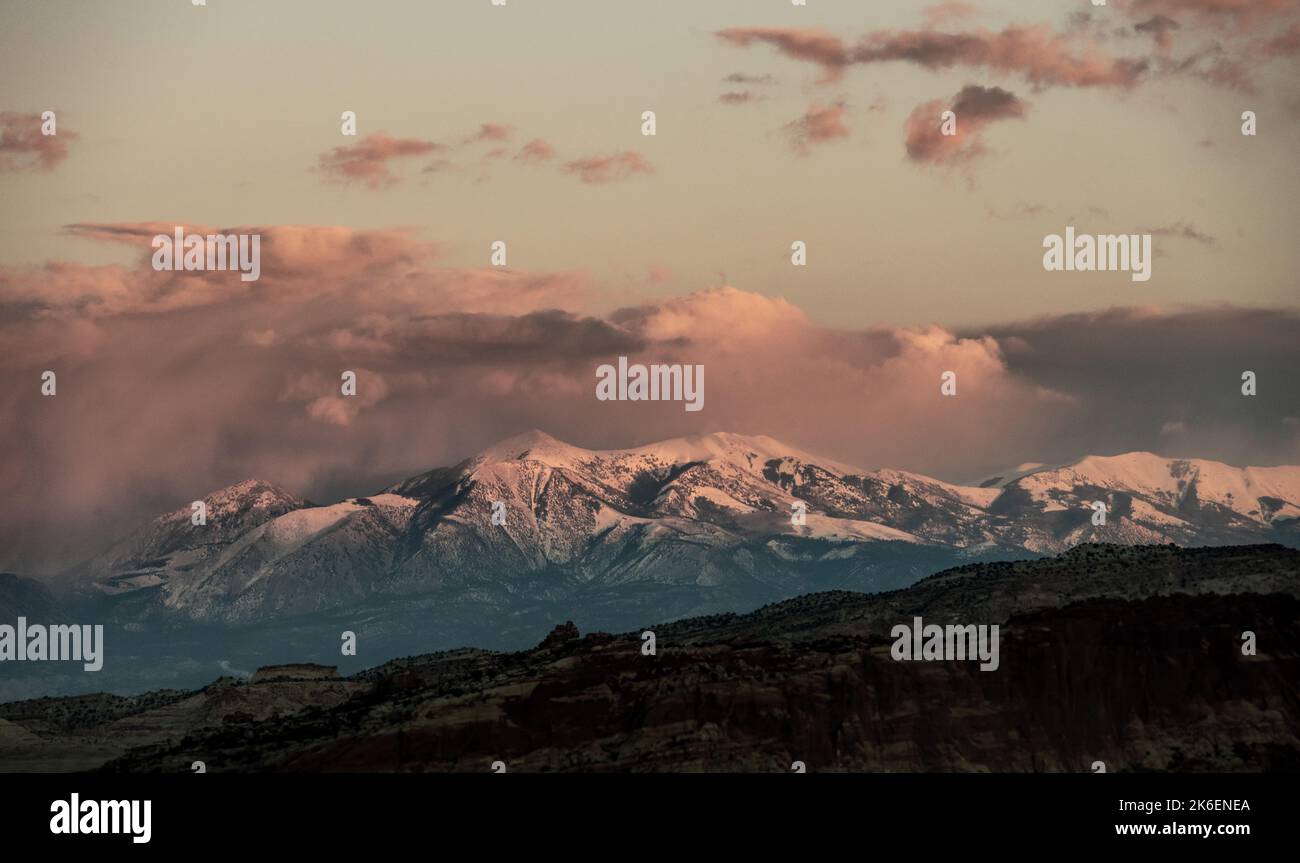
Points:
(1136, 372)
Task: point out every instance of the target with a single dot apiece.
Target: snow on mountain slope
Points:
(534, 445)
(701, 512)
(846, 529)
(1258, 494)
(172, 542)
(748, 452)
(302, 561)
(745, 451)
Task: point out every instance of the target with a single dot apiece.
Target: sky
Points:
(523, 123)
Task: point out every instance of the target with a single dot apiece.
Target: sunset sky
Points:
(522, 123)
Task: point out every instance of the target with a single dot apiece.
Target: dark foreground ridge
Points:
(1126, 655)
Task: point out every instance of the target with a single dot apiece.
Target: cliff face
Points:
(1132, 657)
(296, 671)
(1157, 684)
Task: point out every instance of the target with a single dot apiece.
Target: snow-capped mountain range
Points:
(706, 515)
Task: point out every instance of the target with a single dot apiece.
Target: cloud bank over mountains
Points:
(171, 384)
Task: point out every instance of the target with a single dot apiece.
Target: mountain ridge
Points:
(700, 512)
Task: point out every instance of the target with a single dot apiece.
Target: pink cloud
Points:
(808, 44)
(1228, 73)
(1181, 230)
(818, 125)
(1160, 28)
(302, 263)
(975, 108)
(1285, 45)
(1040, 56)
(492, 132)
(24, 148)
(1242, 14)
(367, 160)
(743, 78)
(535, 151)
(323, 400)
(607, 169)
(388, 268)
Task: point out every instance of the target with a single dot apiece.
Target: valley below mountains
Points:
(1126, 655)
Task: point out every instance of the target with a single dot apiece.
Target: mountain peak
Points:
(1136, 467)
(256, 493)
(733, 446)
(535, 444)
(250, 486)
